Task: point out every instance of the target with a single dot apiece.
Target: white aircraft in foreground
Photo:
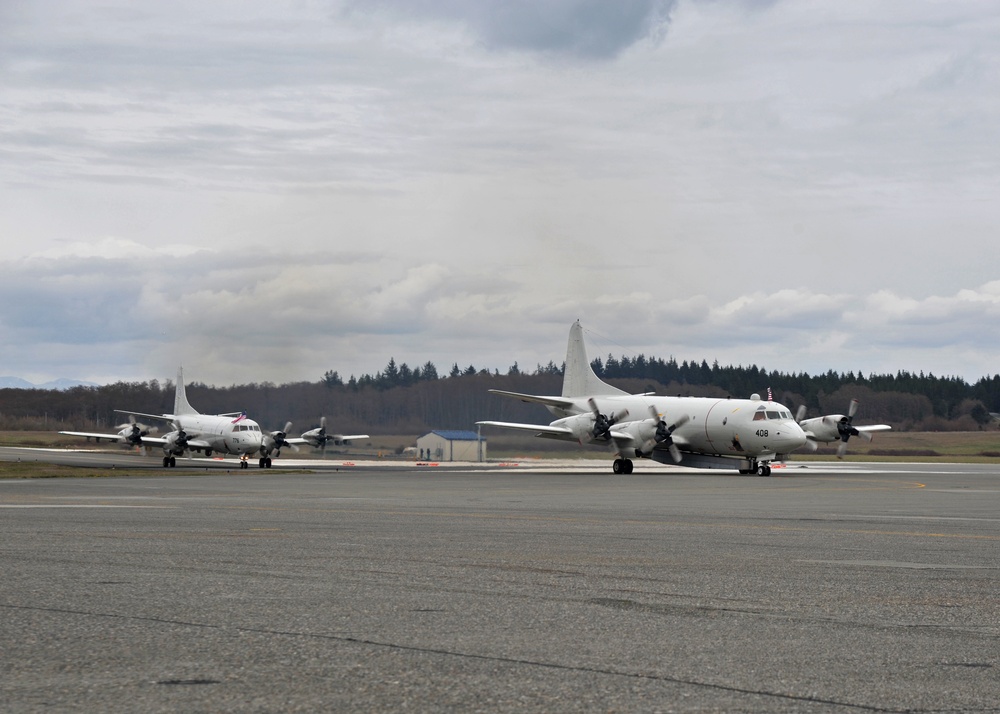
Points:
(701, 432)
(193, 431)
(837, 427)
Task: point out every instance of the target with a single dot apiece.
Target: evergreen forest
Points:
(413, 400)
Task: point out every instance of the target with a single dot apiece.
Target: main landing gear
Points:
(622, 466)
(761, 468)
(265, 462)
(169, 462)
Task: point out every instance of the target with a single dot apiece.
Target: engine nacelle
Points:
(642, 432)
(316, 438)
(823, 428)
(580, 425)
(176, 443)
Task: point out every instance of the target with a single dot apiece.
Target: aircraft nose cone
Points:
(792, 437)
(254, 440)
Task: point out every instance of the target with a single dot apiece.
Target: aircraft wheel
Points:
(618, 466)
(173, 462)
(767, 470)
(244, 464)
(267, 462)
(166, 461)
(628, 465)
(761, 470)
(262, 461)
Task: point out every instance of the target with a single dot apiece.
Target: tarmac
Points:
(360, 586)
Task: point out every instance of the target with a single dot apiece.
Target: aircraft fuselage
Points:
(749, 428)
(222, 434)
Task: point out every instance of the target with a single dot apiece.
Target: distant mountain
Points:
(61, 384)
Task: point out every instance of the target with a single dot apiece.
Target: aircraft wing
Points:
(350, 437)
(551, 432)
(622, 440)
(874, 427)
(558, 402)
(92, 435)
(192, 443)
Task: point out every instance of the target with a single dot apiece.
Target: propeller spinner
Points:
(602, 423)
(663, 434)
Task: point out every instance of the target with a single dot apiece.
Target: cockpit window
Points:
(759, 415)
(773, 415)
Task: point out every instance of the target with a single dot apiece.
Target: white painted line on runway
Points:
(898, 564)
(75, 505)
(960, 490)
(882, 517)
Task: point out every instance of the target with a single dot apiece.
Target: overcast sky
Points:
(264, 191)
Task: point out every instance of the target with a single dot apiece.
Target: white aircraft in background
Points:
(193, 431)
(702, 432)
(836, 427)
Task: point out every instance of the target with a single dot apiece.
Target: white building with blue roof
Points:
(451, 445)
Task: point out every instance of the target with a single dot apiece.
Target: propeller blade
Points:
(800, 413)
(681, 422)
(853, 409)
(842, 449)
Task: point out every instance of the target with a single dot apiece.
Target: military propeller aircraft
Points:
(741, 434)
(836, 427)
(192, 431)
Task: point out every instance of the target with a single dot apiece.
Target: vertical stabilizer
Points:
(579, 379)
(181, 405)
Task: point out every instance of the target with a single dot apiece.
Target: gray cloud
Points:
(582, 28)
(325, 186)
(269, 317)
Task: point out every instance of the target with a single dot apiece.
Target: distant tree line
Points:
(400, 399)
